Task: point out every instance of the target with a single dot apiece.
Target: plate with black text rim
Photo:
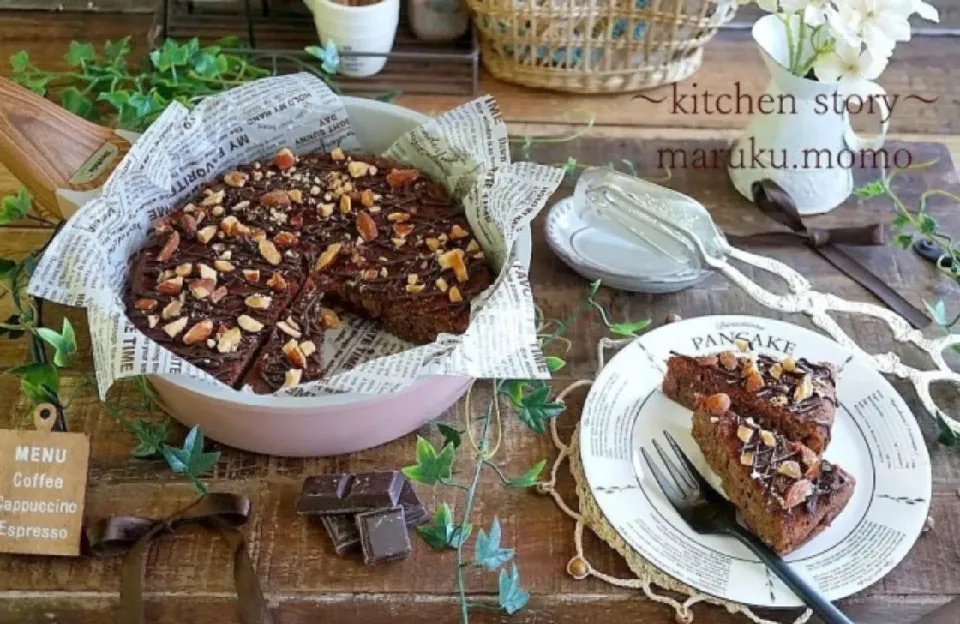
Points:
(875, 438)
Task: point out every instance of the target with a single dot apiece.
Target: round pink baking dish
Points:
(319, 426)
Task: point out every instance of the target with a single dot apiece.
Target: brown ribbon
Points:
(777, 204)
(131, 535)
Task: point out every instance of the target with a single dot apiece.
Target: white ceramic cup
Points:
(369, 29)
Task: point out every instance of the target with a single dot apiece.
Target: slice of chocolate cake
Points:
(217, 275)
(785, 492)
(797, 398)
(291, 355)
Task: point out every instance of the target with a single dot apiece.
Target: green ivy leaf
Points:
(451, 437)
(905, 240)
(206, 66)
(628, 330)
(511, 597)
(570, 167)
(38, 382)
(529, 478)
(441, 533)
(115, 52)
(8, 269)
(77, 103)
(13, 208)
(37, 84)
(927, 224)
(871, 189)
(191, 460)
(938, 311)
(488, 553)
(20, 61)
(535, 409)
(64, 343)
(79, 53)
(151, 438)
(555, 363)
(900, 221)
(431, 467)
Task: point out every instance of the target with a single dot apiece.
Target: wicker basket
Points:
(596, 46)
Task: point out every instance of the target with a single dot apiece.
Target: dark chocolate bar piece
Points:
(414, 512)
(343, 532)
(383, 535)
(340, 494)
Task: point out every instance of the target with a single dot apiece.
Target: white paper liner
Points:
(466, 149)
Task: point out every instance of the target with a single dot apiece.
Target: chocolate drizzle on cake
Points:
(382, 240)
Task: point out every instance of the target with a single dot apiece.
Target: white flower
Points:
(849, 63)
(879, 24)
(926, 11)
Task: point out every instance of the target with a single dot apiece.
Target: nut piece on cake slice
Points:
(291, 356)
(785, 492)
(797, 398)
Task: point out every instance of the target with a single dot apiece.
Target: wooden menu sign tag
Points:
(43, 480)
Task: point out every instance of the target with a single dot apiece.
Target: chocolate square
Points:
(376, 490)
(343, 532)
(414, 512)
(323, 494)
(383, 535)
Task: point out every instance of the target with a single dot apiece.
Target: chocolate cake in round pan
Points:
(232, 280)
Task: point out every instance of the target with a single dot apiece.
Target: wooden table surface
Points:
(189, 578)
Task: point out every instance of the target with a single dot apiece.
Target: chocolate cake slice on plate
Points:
(797, 398)
(785, 492)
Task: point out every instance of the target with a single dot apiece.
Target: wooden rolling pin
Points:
(58, 156)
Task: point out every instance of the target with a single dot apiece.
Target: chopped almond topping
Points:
(328, 256)
(152, 321)
(277, 283)
(776, 371)
(315, 190)
(295, 195)
(174, 328)
(173, 241)
(717, 404)
(790, 468)
(346, 204)
(284, 159)
(337, 154)
(172, 309)
(251, 275)
(415, 288)
(185, 269)
(441, 284)
(207, 273)
(728, 360)
(398, 217)
(398, 177)
(789, 364)
(453, 259)
(768, 438)
(308, 347)
(218, 295)
(229, 225)
(366, 226)
(292, 377)
(285, 239)
(199, 332)
(325, 210)
(458, 232)
(269, 252)
(398, 242)
(746, 459)
(145, 304)
(755, 382)
(250, 324)
(367, 198)
(288, 329)
(798, 492)
(229, 341)
(804, 389)
(412, 278)
(223, 266)
(455, 296)
(171, 286)
(358, 169)
(294, 355)
(258, 302)
(473, 246)
(369, 274)
(201, 288)
(402, 230)
(329, 319)
(275, 199)
(433, 244)
(206, 234)
(236, 179)
(213, 198)
(742, 345)
(744, 433)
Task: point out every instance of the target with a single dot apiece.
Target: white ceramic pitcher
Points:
(798, 138)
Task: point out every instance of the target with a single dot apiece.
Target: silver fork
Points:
(709, 513)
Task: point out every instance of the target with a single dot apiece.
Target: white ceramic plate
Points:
(597, 249)
(875, 437)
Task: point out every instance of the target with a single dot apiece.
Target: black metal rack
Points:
(274, 34)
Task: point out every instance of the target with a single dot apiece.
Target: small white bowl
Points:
(330, 425)
(369, 29)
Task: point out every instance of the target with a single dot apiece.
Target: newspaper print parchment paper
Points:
(466, 149)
